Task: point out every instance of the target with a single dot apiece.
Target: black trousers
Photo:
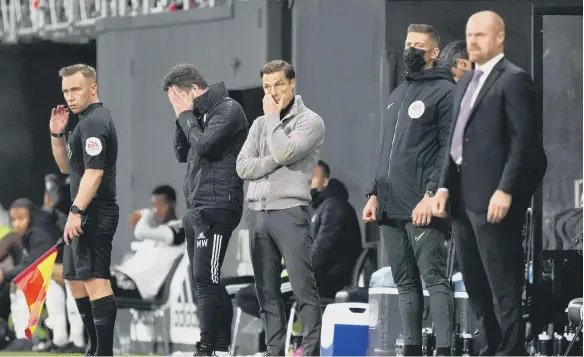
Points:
(414, 252)
(273, 235)
(490, 258)
(207, 234)
(89, 256)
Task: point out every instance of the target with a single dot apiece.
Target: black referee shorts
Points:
(89, 256)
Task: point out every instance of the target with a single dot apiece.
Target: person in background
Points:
(496, 161)
(320, 178)
(455, 57)
(38, 234)
(419, 119)
(162, 236)
(336, 234)
(56, 202)
(10, 255)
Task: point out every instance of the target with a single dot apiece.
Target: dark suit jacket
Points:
(502, 146)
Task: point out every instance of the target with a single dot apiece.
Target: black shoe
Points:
(203, 349)
(74, 349)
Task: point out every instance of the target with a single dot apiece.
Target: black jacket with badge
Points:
(41, 235)
(336, 238)
(209, 139)
(415, 141)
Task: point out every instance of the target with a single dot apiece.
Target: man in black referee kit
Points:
(88, 153)
(210, 131)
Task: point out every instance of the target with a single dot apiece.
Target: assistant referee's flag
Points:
(34, 283)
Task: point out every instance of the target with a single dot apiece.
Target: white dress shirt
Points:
(487, 68)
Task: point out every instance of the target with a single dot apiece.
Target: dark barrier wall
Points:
(342, 74)
(29, 88)
(134, 54)
(450, 17)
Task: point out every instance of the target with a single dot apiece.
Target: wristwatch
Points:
(75, 210)
(430, 193)
(60, 135)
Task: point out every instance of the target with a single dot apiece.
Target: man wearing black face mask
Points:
(419, 115)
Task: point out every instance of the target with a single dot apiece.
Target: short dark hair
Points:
(184, 76)
(277, 66)
(325, 168)
(453, 51)
(428, 30)
(166, 191)
(86, 70)
(23, 203)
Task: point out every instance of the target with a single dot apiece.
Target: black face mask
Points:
(314, 192)
(414, 59)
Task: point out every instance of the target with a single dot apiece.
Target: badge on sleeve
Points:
(93, 146)
(416, 109)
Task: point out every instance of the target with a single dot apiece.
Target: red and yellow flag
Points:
(34, 283)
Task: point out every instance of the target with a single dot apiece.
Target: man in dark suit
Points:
(496, 162)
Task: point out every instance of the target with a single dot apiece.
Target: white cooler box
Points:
(384, 317)
(345, 329)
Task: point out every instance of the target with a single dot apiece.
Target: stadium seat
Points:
(151, 311)
(353, 292)
(235, 283)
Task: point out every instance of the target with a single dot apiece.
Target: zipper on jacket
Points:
(393, 140)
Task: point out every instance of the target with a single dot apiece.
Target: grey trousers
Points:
(273, 235)
(414, 252)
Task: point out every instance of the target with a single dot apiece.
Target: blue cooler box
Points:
(384, 317)
(344, 329)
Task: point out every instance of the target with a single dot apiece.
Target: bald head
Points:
(485, 34)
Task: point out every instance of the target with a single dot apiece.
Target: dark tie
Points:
(463, 115)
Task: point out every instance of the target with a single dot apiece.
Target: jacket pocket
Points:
(221, 187)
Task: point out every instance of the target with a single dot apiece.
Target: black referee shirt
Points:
(93, 144)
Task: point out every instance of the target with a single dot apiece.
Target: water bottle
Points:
(431, 344)
(560, 345)
(456, 344)
(425, 343)
(544, 344)
(399, 345)
(570, 335)
(467, 344)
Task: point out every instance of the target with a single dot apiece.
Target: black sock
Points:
(86, 313)
(104, 318)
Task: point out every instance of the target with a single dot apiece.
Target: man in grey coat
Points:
(278, 157)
